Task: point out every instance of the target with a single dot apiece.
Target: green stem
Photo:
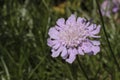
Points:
(105, 33)
(85, 74)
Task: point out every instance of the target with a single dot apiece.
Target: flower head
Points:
(72, 37)
(109, 6)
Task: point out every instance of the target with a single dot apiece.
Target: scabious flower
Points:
(73, 37)
(110, 6)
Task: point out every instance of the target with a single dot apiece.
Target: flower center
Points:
(71, 36)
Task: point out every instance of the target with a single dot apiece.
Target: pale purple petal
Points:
(96, 43)
(80, 20)
(91, 27)
(71, 20)
(105, 8)
(87, 24)
(61, 22)
(95, 36)
(95, 49)
(115, 9)
(55, 53)
(86, 47)
(51, 42)
(75, 51)
(56, 46)
(58, 28)
(64, 52)
(80, 51)
(53, 33)
(72, 56)
(93, 30)
(116, 6)
(97, 30)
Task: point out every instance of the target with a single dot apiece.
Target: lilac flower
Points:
(109, 6)
(73, 37)
(116, 5)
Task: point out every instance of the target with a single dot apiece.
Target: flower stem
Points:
(79, 62)
(105, 33)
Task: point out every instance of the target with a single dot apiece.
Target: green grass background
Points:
(24, 54)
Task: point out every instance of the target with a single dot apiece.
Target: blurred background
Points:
(24, 54)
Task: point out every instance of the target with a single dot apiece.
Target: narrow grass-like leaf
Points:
(108, 42)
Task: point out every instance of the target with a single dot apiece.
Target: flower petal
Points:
(91, 27)
(115, 9)
(56, 46)
(57, 52)
(80, 20)
(61, 22)
(51, 42)
(96, 43)
(97, 30)
(58, 28)
(71, 20)
(64, 53)
(80, 51)
(53, 33)
(74, 51)
(94, 36)
(86, 47)
(72, 56)
(95, 49)
(87, 24)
